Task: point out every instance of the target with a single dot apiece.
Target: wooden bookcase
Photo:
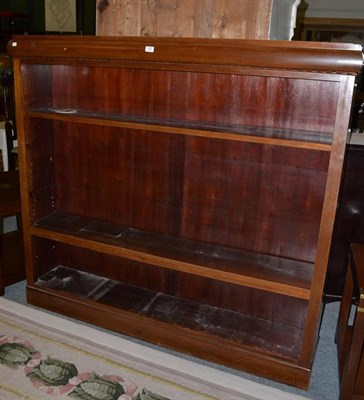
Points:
(183, 191)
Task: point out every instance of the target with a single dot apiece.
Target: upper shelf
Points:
(170, 53)
(282, 137)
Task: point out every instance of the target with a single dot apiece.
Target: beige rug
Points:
(43, 356)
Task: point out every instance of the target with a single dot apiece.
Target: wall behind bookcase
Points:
(187, 18)
(34, 9)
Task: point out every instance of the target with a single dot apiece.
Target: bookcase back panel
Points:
(192, 96)
(40, 142)
(37, 89)
(136, 185)
(230, 193)
(257, 303)
(262, 198)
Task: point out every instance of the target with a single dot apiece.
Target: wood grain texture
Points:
(186, 18)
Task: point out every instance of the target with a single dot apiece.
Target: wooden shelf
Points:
(274, 338)
(264, 272)
(281, 137)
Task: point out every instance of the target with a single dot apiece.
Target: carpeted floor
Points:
(324, 380)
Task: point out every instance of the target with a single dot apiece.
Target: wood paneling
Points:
(186, 18)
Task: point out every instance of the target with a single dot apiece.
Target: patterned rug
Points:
(43, 356)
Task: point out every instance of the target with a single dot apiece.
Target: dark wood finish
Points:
(198, 183)
(197, 343)
(327, 29)
(11, 249)
(185, 52)
(349, 222)
(191, 315)
(13, 258)
(9, 193)
(350, 329)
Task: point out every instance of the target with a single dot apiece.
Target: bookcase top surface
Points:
(336, 58)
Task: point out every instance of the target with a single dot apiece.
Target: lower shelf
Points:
(245, 330)
(249, 269)
(221, 336)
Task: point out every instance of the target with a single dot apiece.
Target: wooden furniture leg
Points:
(12, 265)
(350, 336)
(2, 285)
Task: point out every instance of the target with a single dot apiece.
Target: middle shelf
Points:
(260, 271)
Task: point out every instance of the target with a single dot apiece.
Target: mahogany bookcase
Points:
(183, 191)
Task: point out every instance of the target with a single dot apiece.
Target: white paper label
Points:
(149, 49)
